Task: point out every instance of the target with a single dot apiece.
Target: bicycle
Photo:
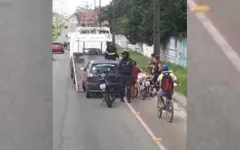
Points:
(147, 88)
(168, 106)
(109, 93)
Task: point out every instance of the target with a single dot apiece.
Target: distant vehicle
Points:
(90, 83)
(57, 47)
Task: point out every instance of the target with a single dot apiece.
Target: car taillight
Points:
(89, 75)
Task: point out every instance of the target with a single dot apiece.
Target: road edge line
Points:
(216, 35)
(149, 131)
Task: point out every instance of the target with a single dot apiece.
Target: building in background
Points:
(89, 17)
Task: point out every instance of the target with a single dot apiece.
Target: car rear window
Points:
(55, 44)
(104, 67)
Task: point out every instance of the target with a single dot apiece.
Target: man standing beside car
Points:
(126, 75)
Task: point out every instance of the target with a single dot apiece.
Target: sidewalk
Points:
(180, 99)
(168, 132)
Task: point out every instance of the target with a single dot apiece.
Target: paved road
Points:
(81, 123)
(225, 16)
(213, 82)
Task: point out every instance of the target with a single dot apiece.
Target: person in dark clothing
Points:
(111, 52)
(126, 75)
(157, 68)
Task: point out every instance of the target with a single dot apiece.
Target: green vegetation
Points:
(135, 19)
(180, 72)
(57, 30)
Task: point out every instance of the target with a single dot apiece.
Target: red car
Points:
(57, 47)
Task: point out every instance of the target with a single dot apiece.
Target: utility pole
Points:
(99, 13)
(113, 22)
(156, 27)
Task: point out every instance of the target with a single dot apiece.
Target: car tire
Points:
(88, 94)
(71, 73)
(74, 81)
(63, 51)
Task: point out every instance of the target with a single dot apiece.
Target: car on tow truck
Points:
(90, 80)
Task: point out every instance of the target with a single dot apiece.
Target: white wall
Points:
(176, 51)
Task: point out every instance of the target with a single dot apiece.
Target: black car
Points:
(91, 78)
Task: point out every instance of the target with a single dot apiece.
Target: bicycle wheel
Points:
(169, 110)
(159, 109)
(150, 91)
(107, 100)
(135, 93)
(143, 93)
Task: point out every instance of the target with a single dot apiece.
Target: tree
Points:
(134, 19)
(78, 12)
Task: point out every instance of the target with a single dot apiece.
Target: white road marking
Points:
(149, 131)
(217, 37)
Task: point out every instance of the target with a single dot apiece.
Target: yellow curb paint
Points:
(201, 8)
(158, 139)
(137, 113)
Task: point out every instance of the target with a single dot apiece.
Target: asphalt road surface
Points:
(213, 82)
(81, 123)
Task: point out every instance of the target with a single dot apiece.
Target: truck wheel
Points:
(71, 74)
(74, 81)
(88, 94)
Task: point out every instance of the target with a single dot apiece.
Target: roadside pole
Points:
(156, 29)
(113, 22)
(100, 5)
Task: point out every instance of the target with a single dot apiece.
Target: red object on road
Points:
(57, 47)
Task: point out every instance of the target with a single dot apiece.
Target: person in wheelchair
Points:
(166, 81)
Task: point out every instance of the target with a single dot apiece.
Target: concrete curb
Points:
(180, 99)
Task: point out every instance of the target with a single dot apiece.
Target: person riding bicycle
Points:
(157, 68)
(136, 71)
(126, 75)
(166, 77)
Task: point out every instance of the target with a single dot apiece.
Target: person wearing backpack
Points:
(166, 80)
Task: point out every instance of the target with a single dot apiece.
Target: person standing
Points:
(136, 71)
(126, 69)
(157, 68)
(111, 52)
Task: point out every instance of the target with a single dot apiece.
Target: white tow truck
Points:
(86, 41)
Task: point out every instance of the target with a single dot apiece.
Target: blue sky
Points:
(68, 6)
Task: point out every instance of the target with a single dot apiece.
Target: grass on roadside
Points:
(180, 72)
(56, 32)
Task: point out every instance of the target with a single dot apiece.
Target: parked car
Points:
(91, 78)
(57, 47)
